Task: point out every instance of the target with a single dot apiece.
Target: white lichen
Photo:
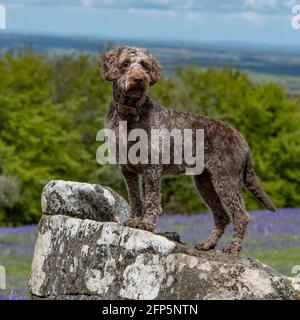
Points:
(85, 250)
(133, 239)
(99, 281)
(109, 197)
(41, 252)
(143, 279)
(257, 282)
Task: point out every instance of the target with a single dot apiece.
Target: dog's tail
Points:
(252, 183)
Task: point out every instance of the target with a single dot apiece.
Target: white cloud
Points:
(280, 7)
(198, 17)
(269, 6)
(255, 19)
(171, 13)
(87, 3)
(261, 4)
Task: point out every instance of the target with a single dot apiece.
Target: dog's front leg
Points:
(133, 183)
(152, 203)
(152, 197)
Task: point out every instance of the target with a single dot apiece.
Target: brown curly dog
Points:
(228, 161)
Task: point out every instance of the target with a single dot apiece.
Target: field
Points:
(62, 93)
(264, 63)
(273, 238)
(292, 84)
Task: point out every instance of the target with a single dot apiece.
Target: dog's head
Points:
(133, 69)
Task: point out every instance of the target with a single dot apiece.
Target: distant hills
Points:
(269, 61)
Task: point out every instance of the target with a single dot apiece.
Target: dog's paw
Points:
(233, 249)
(148, 226)
(132, 223)
(137, 223)
(205, 246)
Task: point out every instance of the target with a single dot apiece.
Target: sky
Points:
(254, 21)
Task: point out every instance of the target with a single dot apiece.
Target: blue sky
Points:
(258, 21)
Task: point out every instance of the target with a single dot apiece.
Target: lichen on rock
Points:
(80, 255)
(84, 200)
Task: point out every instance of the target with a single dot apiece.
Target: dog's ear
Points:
(108, 65)
(155, 71)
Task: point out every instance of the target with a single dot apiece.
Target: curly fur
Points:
(228, 164)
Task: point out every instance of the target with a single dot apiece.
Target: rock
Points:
(85, 201)
(296, 287)
(80, 258)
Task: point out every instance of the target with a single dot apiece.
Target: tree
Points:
(51, 108)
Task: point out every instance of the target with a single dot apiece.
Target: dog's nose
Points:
(138, 80)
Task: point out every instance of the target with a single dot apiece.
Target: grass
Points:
(16, 252)
(292, 84)
(17, 275)
(281, 260)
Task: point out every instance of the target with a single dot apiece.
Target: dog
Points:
(228, 162)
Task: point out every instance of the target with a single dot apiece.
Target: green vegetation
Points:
(51, 108)
(291, 83)
(18, 271)
(282, 260)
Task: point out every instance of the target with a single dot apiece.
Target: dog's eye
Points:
(145, 65)
(125, 64)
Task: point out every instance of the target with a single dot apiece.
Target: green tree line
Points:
(51, 108)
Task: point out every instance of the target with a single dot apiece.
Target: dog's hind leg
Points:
(221, 218)
(229, 190)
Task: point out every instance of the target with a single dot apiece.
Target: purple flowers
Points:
(16, 250)
(12, 297)
(17, 230)
(267, 230)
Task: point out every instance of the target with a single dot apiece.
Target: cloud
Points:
(171, 13)
(111, 4)
(253, 18)
(269, 6)
(278, 7)
(260, 5)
